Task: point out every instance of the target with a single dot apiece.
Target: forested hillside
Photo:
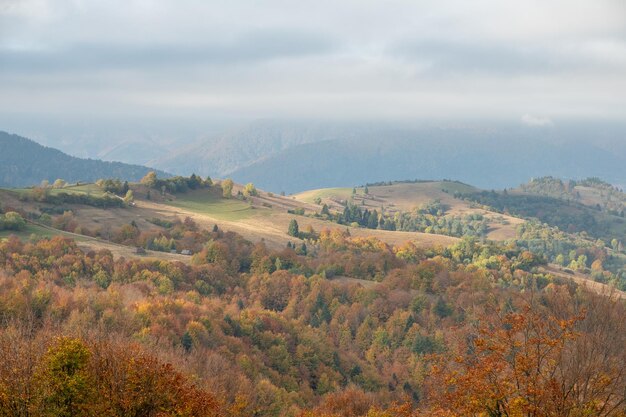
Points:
(246, 331)
(568, 215)
(592, 192)
(24, 162)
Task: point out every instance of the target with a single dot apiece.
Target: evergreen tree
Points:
(186, 341)
(320, 313)
(293, 228)
(194, 181)
(372, 221)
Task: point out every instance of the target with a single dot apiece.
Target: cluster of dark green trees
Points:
(429, 218)
(175, 184)
(113, 185)
(364, 218)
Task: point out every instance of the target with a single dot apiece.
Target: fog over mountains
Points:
(293, 156)
(489, 158)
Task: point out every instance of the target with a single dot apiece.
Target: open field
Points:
(271, 226)
(29, 231)
(86, 189)
(409, 196)
(205, 202)
(326, 193)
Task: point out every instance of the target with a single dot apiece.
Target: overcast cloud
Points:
(532, 61)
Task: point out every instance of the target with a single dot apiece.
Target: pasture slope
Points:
(408, 196)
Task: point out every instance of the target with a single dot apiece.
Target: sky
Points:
(533, 61)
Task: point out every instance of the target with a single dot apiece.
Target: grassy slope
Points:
(409, 196)
(404, 196)
(263, 222)
(268, 219)
(325, 193)
(204, 202)
(30, 229)
(91, 189)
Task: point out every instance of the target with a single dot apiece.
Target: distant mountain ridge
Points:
(220, 155)
(488, 159)
(24, 162)
(296, 155)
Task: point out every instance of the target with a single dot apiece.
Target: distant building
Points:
(185, 252)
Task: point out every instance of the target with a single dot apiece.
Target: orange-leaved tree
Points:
(532, 361)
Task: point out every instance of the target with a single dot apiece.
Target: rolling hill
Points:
(266, 217)
(24, 162)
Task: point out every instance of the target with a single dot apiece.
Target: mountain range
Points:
(24, 162)
(489, 159)
(292, 156)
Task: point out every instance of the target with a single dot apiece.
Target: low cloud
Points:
(256, 46)
(323, 58)
(537, 121)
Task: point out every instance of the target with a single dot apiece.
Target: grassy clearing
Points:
(30, 229)
(339, 193)
(203, 202)
(431, 189)
(91, 189)
(455, 187)
(82, 189)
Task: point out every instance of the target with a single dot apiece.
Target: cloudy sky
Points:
(532, 61)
